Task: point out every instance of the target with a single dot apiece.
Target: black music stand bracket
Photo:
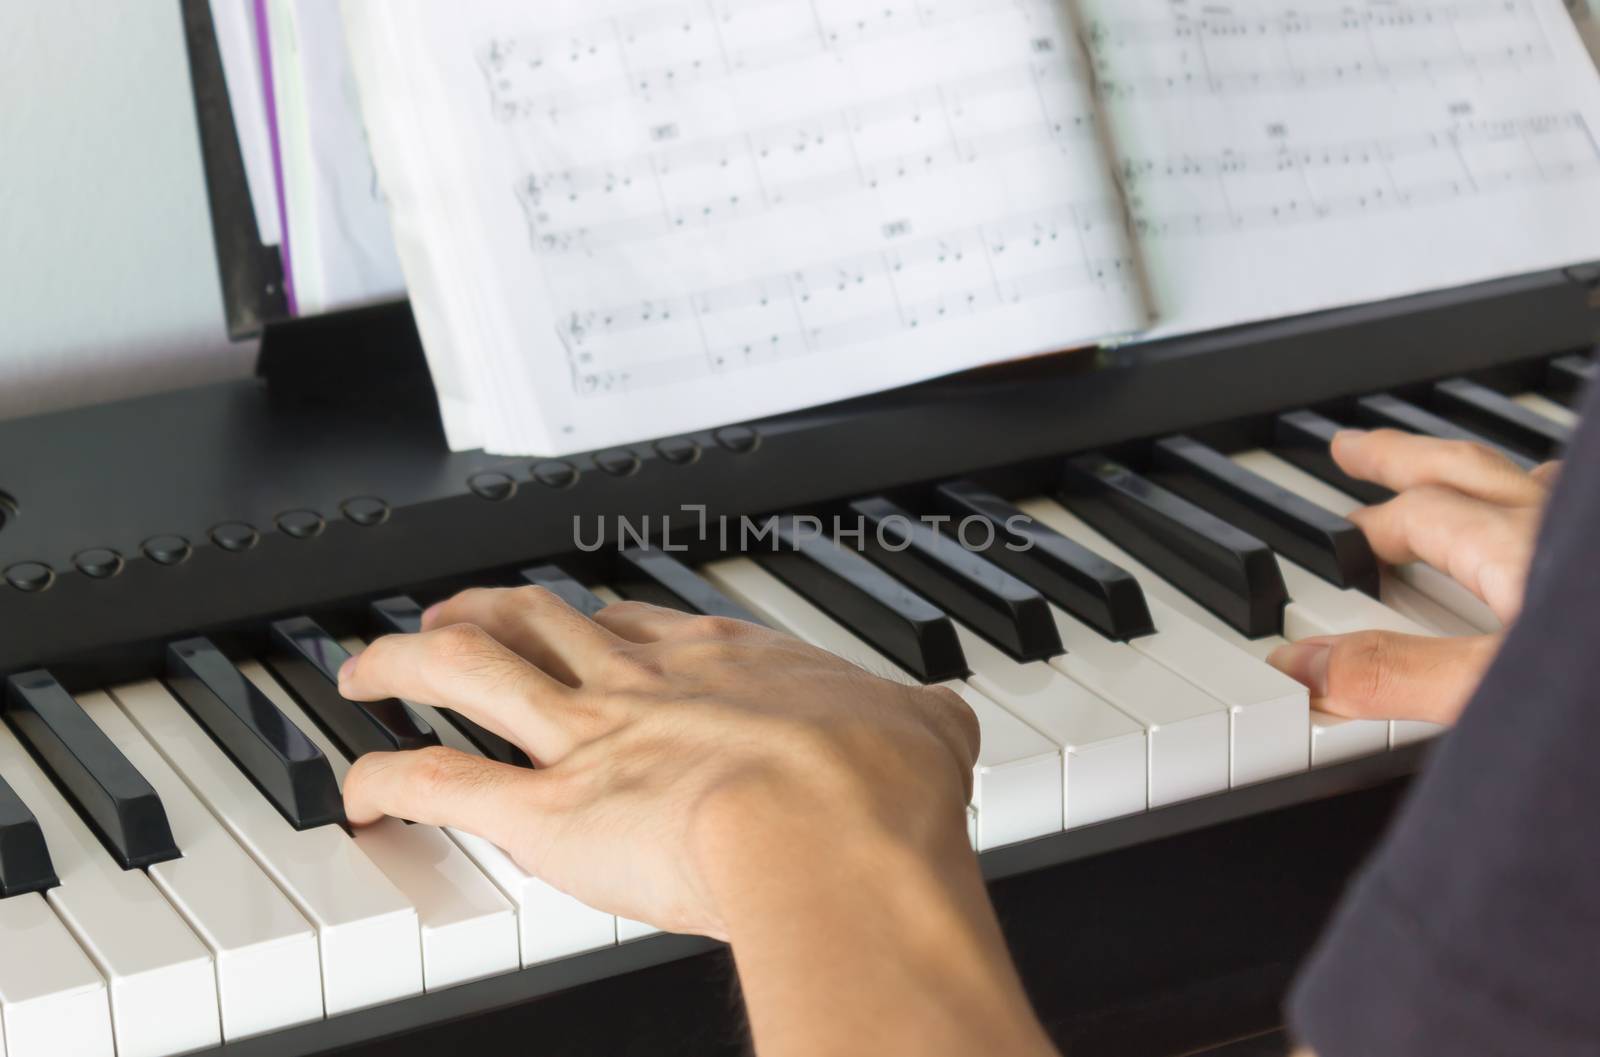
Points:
(360, 357)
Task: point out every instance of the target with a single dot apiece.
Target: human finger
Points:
(535, 623)
(1482, 545)
(641, 622)
(1386, 675)
(1400, 461)
(439, 786)
(1546, 473)
(465, 669)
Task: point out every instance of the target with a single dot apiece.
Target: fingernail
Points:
(1305, 663)
(430, 614)
(1348, 435)
(347, 670)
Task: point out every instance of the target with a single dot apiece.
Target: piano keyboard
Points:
(172, 858)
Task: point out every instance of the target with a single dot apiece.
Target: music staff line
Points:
(1053, 237)
(507, 60)
(1219, 23)
(768, 196)
(949, 98)
(1389, 192)
(1288, 77)
(1289, 156)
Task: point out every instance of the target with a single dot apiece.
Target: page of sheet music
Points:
(808, 199)
(1281, 160)
(341, 252)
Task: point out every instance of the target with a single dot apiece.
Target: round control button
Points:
(365, 510)
(556, 474)
(301, 524)
(167, 550)
(30, 576)
(234, 536)
(495, 487)
(680, 451)
(98, 562)
(618, 463)
(741, 440)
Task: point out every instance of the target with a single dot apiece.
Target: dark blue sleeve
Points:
(1475, 930)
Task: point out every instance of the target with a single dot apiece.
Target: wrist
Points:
(765, 838)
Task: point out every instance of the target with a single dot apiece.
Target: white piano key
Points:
(1018, 785)
(1187, 728)
(162, 981)
(1320, 608)
(367, 932)
(1105, 751)
(1542, 405)
(469, 930)
(53, 1002)
(550, 923)
(1335, 739)
(1419, 577)
(1269, 719)
(268, 973)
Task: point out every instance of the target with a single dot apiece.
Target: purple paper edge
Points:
(264, 50)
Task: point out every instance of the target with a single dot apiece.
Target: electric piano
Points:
(1164, 825)
(1125, 534)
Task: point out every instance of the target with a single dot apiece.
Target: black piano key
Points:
(650, 575)
(1569, 377)
(109, 792)
(968, 586)
(1304, 438)
(24, 859)
(1501, 418)
(1230, 572)
(1325, 543)
(1384, 409)
(399, 615)
(272, 752)
(1069, 574)
(896, 621)
(402, 616)
(307, 660)
(557, 581)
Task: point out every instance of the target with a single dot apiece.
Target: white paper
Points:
(235, 23)
(1283, 160)
(621, 220)
(340, 249)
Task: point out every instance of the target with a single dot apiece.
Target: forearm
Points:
(873, 943)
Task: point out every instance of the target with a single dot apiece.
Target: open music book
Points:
(620, 219)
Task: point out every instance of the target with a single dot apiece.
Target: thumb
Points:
(1385, 675)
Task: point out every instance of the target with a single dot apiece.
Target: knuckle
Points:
(533, 596)
(1371, 663)
(462, 642)
(437, 769)
(715, 628)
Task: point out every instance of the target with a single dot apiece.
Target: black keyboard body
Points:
(326, 485)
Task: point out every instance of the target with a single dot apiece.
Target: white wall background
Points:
(108, 279)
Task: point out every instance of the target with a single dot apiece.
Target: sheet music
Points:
(340, 249)
(1282, 160)
(808, 199)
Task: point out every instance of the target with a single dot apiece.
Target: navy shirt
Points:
(1475, 930)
